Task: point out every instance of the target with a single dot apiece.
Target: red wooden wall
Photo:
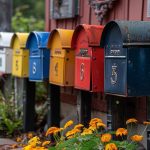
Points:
(122, 10)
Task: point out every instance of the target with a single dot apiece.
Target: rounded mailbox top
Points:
(37, 39)
(5, 39)
(19, 39)
(132, 33)
(93, 33)
(60, 36)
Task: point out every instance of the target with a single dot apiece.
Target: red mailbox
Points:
(89, 58)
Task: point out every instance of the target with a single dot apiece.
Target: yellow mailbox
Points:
(61, 57)
(20, 60)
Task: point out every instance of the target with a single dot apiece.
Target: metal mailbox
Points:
(5, 52)
(127, 58)
(20, 60)
(61, 57)
(38, 56)
(89, 58)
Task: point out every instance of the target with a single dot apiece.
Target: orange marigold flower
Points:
(19, 139)
(78, 126)
(58, 130)
(93, 127)
(101, 124)
(51, 130)
(137, 138)
(146, 123)
(95, 121)
(46, 143)
(86, 131)
(111, 146)
(34, 141)
(14, 146)
(30, 135)
(68, 124)
(121, 132)
(131, 120)
(72, 132)
(106, 137)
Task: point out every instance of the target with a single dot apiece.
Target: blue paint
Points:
(127, 58)
(39, 56)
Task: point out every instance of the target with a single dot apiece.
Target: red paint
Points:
(89, 59)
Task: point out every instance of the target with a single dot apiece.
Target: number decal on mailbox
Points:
(34, 68)
(82, 72)
(56, 69)
(17, 65)
(114, 75)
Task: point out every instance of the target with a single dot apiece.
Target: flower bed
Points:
(95, 137)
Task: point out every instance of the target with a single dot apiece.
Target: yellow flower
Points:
(51, 130)
(19, 139)
(28, 147)
(72, 132)
(137, 138)
(78, 126)
(111, 146)
(106, 137)
(86, 131)
(131, 120)
(46, 143)
(30, 135)
(100, 124)
(95, 121)
(146, 123)
(121, 131)
(34, 141)
(68, 124)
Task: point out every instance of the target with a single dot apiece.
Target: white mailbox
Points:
(5, 52)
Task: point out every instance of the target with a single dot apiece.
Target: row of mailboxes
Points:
(114, 59)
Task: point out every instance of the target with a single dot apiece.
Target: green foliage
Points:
(23, 24)
(8, 122)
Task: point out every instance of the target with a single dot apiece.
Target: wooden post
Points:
(53, 105)
(29, 106)
(148, 118)
(84, 100)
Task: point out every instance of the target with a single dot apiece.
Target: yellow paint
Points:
(62, 58)
(20, 64)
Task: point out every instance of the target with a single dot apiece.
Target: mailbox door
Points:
(2, 60)
(116, 70)
(82, 72)
(20, 64)
(57, 68)
(8, 60)
(97, 69)
(69, 68)
(35, 69)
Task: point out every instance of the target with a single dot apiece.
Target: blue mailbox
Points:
(127, 58)
(39, 56)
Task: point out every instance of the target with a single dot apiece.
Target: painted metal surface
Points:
(20, 60)
(61, 57)
(89, 58)
(127, 63)
(38, 56)
(5, 52)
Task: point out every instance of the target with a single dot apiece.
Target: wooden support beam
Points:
(29, 106)
(84, 100)
(53, 105)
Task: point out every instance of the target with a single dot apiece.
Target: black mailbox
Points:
(127, 58)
